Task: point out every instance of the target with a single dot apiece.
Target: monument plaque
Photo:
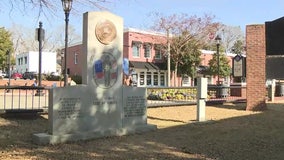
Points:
(105, 31)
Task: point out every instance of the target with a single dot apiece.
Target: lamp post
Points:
(67, 5)
(218, 40)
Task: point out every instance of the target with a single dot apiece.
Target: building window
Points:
(158, 54)
(209, 80)
(75, 58)
(136, 48)
(20, 61)
(147, 50)
(149, 79)
(158, 51)
(26, 60)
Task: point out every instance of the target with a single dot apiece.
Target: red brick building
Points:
(74, 60)
(147, 60)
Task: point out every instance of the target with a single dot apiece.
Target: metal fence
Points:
(35, 99)
(23, 99)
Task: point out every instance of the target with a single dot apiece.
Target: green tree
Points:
(185, 56)
(6, 45)
(224, 66)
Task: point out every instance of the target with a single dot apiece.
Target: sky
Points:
(136, 13)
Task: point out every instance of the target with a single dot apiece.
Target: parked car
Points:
(16, 76)
(3, 74)
(56, 74)
(29, 75)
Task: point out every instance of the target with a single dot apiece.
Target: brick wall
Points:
(256, 90)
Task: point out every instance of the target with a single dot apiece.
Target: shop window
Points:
(162, 79)
(156, 80)
(142, 79)
(149, 79)
(134, 79)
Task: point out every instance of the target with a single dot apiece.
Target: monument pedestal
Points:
(75, 113)
(45, 138)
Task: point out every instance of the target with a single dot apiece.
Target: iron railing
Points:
(35, 99)
(23, 98)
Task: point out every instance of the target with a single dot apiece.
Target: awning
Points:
(146, 65)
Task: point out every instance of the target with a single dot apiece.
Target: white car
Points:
(54, 74)
(3, 74)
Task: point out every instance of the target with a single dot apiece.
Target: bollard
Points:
(201, 97)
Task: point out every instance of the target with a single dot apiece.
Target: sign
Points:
(238, 66)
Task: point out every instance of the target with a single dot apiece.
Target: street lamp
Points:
(218, 40)
(67, 5)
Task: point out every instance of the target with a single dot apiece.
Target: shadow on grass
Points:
(165, 119)
(234, 106)
(255, 136)
(20, 116)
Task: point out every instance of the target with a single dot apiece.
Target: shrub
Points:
(77, 79)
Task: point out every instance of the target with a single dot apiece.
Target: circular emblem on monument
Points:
(105, 31)
(105, 71)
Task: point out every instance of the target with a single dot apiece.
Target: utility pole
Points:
(169, 57)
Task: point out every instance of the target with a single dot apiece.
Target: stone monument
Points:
(101, 106)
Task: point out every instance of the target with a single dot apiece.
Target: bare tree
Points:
(56, 38)
(230, 35)
(184, 30)
(24, 39)
(48, 6)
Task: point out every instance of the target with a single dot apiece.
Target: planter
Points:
(222, 91)
(279, 89)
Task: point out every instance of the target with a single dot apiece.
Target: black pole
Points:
(66, 46)
(218, 64)
(8, 69)
(9, 66)
(40, 32)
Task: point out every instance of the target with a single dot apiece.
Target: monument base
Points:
(45, 138)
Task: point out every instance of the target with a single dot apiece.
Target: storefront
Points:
(145, 74)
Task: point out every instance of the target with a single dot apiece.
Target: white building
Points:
(29, 62)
